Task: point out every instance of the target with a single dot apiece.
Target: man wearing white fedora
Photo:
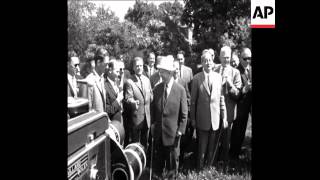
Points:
(169, 112)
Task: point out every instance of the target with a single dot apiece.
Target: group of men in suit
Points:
(163, 99)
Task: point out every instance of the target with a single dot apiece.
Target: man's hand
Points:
(224, 79)
(178, 134)
(120, 97)
(247, 87)
(225, 123)
(229, 81)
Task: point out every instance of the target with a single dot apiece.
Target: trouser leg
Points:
(202, 147)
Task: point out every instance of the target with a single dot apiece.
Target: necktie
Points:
(248, 74)
(141, 85)
(223, 77)
(165, 94)
(209, 82)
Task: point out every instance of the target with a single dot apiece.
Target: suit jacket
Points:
(171, 117)
(207, 107)
(71, 92)
(231, 94)
(134, 92)
(187, 74)
(113, 108)
(155, 79)
(245, 98)
(147, 72)
(96, 93)
(185, 85)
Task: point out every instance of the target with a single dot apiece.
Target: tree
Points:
(217, 23)
(142, 13)
(165, 31)
(78, 12)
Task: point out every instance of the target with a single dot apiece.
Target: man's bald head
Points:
(246, 52)
(225, 55)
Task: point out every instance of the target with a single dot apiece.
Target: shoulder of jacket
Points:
(216, 74)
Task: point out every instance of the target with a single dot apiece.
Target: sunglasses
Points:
(75, 65)
(247, 58)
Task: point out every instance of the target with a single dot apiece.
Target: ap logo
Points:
(263, 14)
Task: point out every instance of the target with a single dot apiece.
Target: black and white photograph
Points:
(160, 89)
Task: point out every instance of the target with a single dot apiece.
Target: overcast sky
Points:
(121, 7)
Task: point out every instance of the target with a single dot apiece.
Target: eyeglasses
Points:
(247, 58)
(75, 65)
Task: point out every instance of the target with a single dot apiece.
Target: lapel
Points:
(213, 79)
(102, 90)
(72, 90)
(109, 86)
(98, 84)
(146, 70)
(217, 68)
(171, 93)
(242, 70)
(137, 83)
(205, 83)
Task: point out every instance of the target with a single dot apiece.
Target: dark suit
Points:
(187, 137)
(147, 71)
(113, 108)
(243, 110)
(168, 118)
(139, 119)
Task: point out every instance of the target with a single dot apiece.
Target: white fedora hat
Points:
(166, 63)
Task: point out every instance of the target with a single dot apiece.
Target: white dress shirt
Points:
(169, 86)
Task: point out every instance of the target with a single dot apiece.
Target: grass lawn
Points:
(237, 170)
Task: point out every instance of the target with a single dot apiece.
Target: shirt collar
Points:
(205, 73)
(112, 82)
(170, 83)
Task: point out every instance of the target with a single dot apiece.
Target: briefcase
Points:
(89, 147)
(77, 106)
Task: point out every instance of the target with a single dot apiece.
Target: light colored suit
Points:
(231, 94)
(134, 92)
(96, 92)
(206, 107)
(186, 74)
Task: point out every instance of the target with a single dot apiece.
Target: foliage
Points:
(217, 23)
(162, 29)
(78, 33)
(163, 24)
